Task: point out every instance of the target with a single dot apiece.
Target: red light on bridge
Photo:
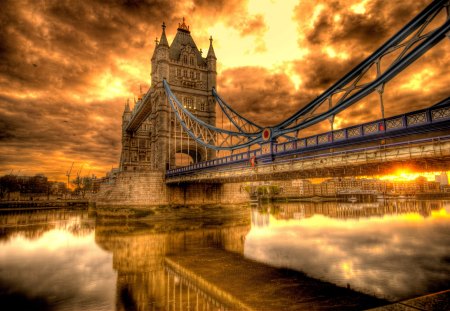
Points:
(266, 134)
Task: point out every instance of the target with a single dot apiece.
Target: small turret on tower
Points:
(160, 58)
(163, 41)
(211, 53)
(127, 106)
(211, 61)
(126, 116)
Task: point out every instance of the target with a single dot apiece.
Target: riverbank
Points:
(44, 204)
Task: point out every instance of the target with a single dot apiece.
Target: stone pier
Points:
(150, 189)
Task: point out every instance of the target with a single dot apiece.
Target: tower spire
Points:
(163, 40)
(183, 27)
(211, 49)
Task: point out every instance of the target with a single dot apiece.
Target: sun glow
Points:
(405, 174)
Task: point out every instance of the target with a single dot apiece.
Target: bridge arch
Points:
(186, 154)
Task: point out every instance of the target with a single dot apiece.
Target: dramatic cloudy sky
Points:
(67, 67)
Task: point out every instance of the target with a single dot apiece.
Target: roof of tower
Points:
(182, 39)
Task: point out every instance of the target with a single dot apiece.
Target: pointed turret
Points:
(163, 41)
(211, 61)
(127, 107)
(154, 51)
(211, 53)
(126, 116)
(160, 67)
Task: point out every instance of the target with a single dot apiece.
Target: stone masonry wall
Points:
(130, 188)
(231, 193)
(149, 188)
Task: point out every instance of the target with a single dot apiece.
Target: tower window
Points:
(191, 61)
(185, 59)
(188, 102)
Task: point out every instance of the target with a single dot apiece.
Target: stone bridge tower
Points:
(159, 141)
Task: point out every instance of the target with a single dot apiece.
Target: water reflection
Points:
(48, 261)
(197, 263)
(396, 250)
(191, 259)
(140, 249)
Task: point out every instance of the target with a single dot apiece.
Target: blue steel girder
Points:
(420, 125)
(348, 85)
(207, 134)
(239, 121)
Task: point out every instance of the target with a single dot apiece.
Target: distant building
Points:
(303, 187)
(345, 184)
(327, 188)
(442, 179)
(419, 185)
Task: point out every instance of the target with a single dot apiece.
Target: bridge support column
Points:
(208, 193)
(134, 188)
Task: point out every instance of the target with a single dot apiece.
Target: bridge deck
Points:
(420, 138)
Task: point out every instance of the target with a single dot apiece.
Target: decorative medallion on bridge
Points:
(266, 134)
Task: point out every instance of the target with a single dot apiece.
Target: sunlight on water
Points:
(397, 254)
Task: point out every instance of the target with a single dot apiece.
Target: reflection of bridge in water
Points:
(298, 210)
(201, 267)
(33, 223)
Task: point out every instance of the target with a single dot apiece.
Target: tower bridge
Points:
(182, 137)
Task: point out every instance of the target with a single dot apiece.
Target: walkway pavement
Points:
(437, 301)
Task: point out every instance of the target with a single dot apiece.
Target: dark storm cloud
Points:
(358, 31)
(65, 126)
(260, 95)
(320, 71)
(63, 43)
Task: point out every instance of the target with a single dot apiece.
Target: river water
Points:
(225, 258)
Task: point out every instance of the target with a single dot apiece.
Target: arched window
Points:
(191, 60)
(185, 59)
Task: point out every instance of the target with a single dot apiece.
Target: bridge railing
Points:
(239, 170)
(388, 127)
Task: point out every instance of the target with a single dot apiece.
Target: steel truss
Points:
(407, 45)
(411, 42)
